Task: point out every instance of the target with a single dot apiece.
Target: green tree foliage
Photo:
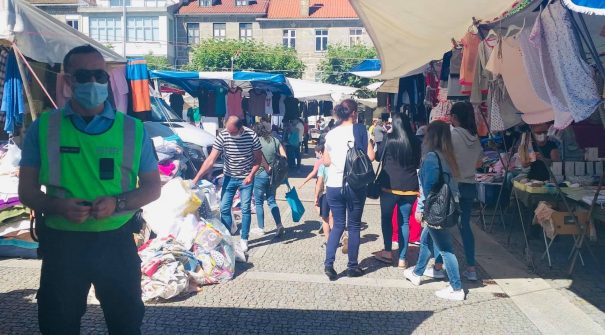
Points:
(157, 62)
(215, 55)
(340, 59)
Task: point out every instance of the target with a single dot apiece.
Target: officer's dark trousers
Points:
(71, 262)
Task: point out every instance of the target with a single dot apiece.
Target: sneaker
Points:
(244, 245)
(233, 228)
(258, 231)
(279, 231)
(470, 275)
(330, 272)
(402, 264)
(434, 273)
(411, 276)
(355, 272)
(448, 293)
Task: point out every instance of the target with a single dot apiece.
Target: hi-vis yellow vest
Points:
(79, 165)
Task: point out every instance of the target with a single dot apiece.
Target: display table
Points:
(577, 194)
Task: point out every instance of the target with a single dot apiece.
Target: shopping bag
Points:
(295, 204)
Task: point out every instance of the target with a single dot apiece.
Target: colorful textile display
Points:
(138, 76)
(13, 102)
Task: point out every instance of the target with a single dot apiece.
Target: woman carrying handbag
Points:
(397, 181)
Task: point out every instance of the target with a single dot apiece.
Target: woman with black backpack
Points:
(346, 202)
(271, 148)
(437, 173)
(399, 155)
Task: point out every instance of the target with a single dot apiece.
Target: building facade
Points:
(308, 27)
(65, 11)
(150, 26)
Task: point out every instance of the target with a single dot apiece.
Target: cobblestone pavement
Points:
(283, 290)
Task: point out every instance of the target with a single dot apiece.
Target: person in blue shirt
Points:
(439, 148)
(86, 235)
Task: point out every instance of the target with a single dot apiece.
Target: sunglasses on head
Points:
(85, 76)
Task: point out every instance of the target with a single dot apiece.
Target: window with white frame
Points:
(242, 2)
(245, 31)
(106, 29)
(155, 3)
(205, 3)
(118, 3)
(321, 40)
(193, 33)
(289, 38)
(74, 23)
(143, 29)
(219, 31)
(355, 36)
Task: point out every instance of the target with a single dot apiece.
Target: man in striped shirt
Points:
(242, 154)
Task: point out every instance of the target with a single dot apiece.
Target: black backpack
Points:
(441, 208)
(279, 168)
(358, 172)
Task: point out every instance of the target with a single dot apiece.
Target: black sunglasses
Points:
(84, 76)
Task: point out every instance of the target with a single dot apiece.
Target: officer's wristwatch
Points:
(120, 203)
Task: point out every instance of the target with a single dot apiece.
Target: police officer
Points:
(99, 168)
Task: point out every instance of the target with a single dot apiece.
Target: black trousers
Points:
(72, 262)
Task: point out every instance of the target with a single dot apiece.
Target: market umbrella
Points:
(408, 34)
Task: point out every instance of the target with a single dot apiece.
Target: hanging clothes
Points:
(276, 98)
(445, 69)
(269, 103)
(13, 104)
(441, 112)
(209, 106)
(411, 92)
(432, 86)
(220, 107)
(479, 90)
(234, 102)
(138, 75)
(453, 84)
(292, 111)
(506, 60)
(3, 60)
(470, 44)
(569, 80)
(119, 87)
(256, 106)
(502, 112)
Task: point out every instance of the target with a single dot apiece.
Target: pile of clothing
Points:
(15, 237)
(172, 162)
(201, 253)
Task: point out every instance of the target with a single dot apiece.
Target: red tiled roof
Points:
(225, 7)
(328, 9)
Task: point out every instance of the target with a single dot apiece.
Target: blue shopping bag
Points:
(295, 204)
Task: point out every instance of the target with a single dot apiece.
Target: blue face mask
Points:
(90, 95)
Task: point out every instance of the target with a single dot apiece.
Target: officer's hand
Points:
(103, 207)
(74, 210)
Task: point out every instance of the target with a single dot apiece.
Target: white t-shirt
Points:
(337, 146)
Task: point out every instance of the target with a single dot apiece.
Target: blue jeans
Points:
(443, 242)
(292, 156)
(262, 190)
(468, 193)
(387, 204)
(230, 186)
(351, 215)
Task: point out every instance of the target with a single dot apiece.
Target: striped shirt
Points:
(238, 152)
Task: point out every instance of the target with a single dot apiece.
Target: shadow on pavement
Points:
(166, 319)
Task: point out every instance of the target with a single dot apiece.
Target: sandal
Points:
(380, 256)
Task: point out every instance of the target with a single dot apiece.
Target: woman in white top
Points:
(345, 210)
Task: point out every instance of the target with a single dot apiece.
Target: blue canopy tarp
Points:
(368, 68)
(192, 82)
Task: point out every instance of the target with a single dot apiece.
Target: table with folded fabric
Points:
(583, 196)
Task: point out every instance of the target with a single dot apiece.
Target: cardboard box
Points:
(565, 224)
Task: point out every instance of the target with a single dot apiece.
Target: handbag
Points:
(294, 202)
(375, 188)
(442, 209)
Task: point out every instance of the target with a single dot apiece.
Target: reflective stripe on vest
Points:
(64, 149)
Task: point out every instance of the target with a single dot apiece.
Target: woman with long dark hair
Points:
(440, 151)
(346, 207)
(469, 153)
(400, 156)
(262, 190)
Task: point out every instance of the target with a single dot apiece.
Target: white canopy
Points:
(40, 36)
(311, 90)
(410, 33)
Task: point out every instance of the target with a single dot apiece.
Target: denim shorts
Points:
(324, 208)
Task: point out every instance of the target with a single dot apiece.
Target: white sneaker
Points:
(470, 275)
(411, 276)
(258, 231)
(233, 228)
(448, 293)
(244, 245)
(434, 273)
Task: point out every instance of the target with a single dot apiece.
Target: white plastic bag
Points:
(9, 164)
